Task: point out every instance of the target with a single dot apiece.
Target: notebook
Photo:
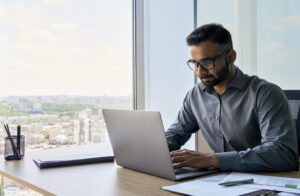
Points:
(74, 155)
(76, 159)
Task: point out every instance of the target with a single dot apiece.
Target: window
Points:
(211, 12)
(265, 35)
(278, 44)
(167, 77)
(62, 61)
(214, 11)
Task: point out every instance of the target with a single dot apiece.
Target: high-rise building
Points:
(37, 106)
(24, 105)
(82, 131)
(95, 111)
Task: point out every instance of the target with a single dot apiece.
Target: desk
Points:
(92, 179)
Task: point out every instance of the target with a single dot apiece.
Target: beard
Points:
(220, 77)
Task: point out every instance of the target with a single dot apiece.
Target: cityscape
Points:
(55, 121)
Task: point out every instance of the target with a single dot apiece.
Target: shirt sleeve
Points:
(184, 125)
(278, 148)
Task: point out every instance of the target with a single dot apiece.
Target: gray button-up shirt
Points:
(249, 127)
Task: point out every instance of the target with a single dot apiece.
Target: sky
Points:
(278, 48)
(70, 47)
(77, 47)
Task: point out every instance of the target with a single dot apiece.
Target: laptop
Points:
(139, 143)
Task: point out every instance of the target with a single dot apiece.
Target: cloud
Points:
(292, 21)
(277, 62)
(75, 52)
(46, 53)
(54, 2)
(4, 39)
(51, 33)
(282, 25)
(277, 56)
(278, 50)
(20, 16)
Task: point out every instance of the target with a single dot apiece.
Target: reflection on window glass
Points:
(278, 45)
(61, 62)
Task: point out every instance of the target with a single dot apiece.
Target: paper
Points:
(214, 178)
(208, 186)
(291, 185)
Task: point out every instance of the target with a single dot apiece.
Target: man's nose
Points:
(201, 70)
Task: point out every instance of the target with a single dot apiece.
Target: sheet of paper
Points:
(291, 185)
(214, 177)
(207, 186)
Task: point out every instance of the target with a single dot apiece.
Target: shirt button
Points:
(217, 117)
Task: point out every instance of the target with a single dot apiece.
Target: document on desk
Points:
(291, 185)
(208, 186)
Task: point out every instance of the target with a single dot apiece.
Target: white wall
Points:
(167, 77)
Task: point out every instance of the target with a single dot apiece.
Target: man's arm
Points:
(278, 149)
(185, 124)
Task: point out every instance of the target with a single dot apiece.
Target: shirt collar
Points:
(238, 81)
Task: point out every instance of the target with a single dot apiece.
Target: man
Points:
(245, 120)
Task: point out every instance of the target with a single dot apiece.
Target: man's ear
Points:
(232, 56)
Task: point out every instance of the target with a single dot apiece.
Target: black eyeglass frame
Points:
(205, 63)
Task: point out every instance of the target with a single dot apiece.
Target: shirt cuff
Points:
(173, 146)
(228, 161)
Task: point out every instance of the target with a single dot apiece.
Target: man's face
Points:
(205, 50)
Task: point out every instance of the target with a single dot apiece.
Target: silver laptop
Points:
(139, 143)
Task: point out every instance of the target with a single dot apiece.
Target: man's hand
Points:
(189, 158)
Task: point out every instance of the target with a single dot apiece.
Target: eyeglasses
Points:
(208, 63)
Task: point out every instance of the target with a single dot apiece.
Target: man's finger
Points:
(180, 150)
(176, 151)
(176, 159)
(179, 165)
(180, 153)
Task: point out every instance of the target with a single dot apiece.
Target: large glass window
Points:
(278, 44)
(211, 12)
(214, 11)
(61, 62)
(265, 35)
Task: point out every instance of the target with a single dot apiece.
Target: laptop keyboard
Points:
(182, 171)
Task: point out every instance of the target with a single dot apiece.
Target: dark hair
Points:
(210, 32)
